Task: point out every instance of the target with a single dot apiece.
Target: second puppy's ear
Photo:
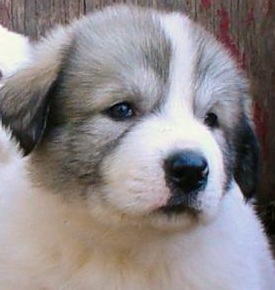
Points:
(25, 97)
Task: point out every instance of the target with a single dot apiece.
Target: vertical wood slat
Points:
(246, 27)
(5, 13)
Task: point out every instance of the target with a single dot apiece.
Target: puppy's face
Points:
(142, 115)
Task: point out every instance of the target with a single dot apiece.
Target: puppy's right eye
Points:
(121, 111)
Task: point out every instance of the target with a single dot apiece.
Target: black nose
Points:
(186, 170)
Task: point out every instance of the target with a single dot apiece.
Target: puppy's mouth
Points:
(181, 203)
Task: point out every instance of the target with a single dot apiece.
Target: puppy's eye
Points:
(211, 120)
(121, 111)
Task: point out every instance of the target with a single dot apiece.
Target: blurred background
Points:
(245, 27)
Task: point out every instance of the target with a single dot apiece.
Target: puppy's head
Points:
(142, 114)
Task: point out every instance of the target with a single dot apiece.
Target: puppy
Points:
(15, 50)
(139, 154)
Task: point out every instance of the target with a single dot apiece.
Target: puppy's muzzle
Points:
(186, 174)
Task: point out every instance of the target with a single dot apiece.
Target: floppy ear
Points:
(247, 166)
(25, 97)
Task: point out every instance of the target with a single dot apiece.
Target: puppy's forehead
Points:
(153, 57)
(123, 51)
(178, 30)
(202, 73)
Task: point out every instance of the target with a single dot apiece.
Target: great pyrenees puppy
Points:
(15, 51)
(140, 154)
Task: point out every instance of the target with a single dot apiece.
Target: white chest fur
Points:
(43, 247)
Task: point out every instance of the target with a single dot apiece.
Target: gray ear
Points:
(247, 166)
(25, 98)
(23, 108)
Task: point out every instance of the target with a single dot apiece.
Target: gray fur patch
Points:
(116, 56)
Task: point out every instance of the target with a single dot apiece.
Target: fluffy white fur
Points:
(48, 243)
(15, 51)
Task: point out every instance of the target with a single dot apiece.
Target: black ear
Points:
(247, 166)
(26, 96)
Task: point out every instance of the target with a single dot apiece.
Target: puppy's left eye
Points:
(121, 111)
(211, 120)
